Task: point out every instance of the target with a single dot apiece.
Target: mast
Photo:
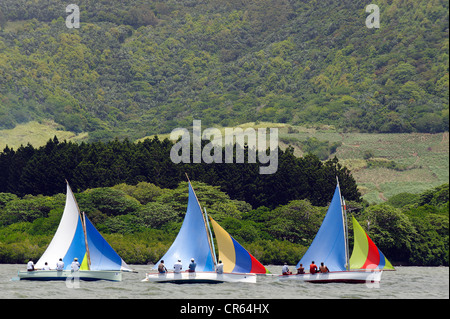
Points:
(344, 225)
(205, 223)
(83, 223)
(86, 242)
(346, 235)
(210, 234)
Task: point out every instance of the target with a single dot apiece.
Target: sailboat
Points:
(330, 246)
(194, 240)
(76, 237)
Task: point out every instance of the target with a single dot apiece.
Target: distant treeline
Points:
(42, 170)
(141, 221)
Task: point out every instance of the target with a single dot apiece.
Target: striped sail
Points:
(234, 257)
(366, 254)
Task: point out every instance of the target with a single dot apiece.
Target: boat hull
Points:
(199, 277)
(87, 275)
(353, 277)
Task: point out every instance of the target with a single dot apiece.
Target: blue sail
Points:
(102, 255)
(329, 244)
(77, 248)
(192, 240)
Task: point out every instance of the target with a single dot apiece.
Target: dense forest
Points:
(135, 68)
(137, 198)
(42, 171)
(141, 221)
(139, 68)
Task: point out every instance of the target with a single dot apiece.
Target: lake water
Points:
(405, 283)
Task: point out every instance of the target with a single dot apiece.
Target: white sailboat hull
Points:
(373, 276)
(89, 275)
(199, 277)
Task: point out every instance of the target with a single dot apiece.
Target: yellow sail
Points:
(84, 264)
(366, 254)
(234, 257)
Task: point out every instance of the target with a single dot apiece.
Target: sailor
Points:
(30, 265)
(219, 267)
(323, 268)
(192, 265)
(75, 266)
(60, 265)
(46, 266)
(300, 270)
(177, 267)
(161, 267)
(313, 268)
(285, 270)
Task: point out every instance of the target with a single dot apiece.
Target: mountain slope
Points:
(136, 68)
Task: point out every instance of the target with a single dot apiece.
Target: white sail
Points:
(64, 234)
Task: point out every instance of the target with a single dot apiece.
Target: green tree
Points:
(429, 122)
(390, 229)
(109, 201)
(297, 222)
(155, 215)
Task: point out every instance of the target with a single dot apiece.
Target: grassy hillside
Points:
(136, 68)
(141, 222)
(37, 134)
(383, 165)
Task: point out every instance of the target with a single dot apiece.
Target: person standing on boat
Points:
(300, 270)
(323, 269)
(177, 267)
(60, 265)
(192, 266)
(75, 266)
(313, 268)
(30, 266)
(161, 267)
(219, 267)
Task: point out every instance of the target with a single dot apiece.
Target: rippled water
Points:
(405, 283)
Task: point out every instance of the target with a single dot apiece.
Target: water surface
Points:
(405, 283)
